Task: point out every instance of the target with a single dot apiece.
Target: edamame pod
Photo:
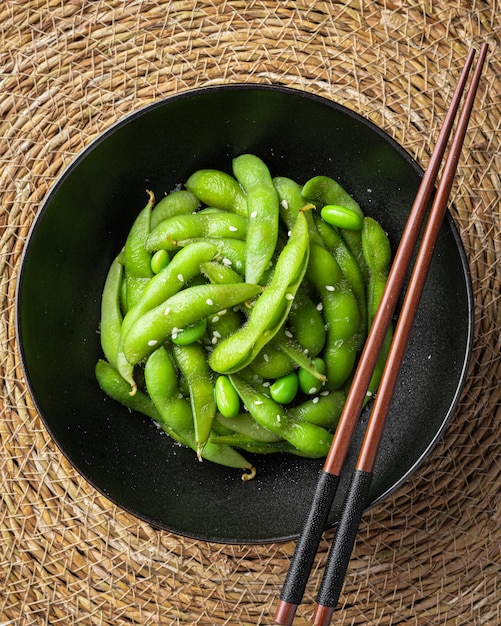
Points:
(195, 225)
(179, 202)
(246, 425)
(182, 309)
(218, 189)
(308, 438)
(306, 323)
(117, 388)
(377, 252)
(137, 260)
(192, 363)
(184, 266)
(341, 314)
(262, 214)
(336, 245)
(325, 191)
(111, 314)
(291, 202)
(175, 417)
(271, 308)
(323, 410)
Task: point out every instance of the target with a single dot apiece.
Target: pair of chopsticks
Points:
(357, 495)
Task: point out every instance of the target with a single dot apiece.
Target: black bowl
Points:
(81, 227)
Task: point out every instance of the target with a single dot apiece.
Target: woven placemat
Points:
(428, 555)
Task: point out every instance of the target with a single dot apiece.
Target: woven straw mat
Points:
(428, 555)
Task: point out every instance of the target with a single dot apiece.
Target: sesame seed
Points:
(315, 399)
(209, 302)
(266, 383)
(319, 306)
(329, 287)
(288, 334)
(180, 277)
(223, 312)
(324, 393)
(167, 310)
(216, 334)
(227, 261)
(285, 204)
(233, 229)
(289, 296)
(253, 214)
(258, 402)
(215, 319)
(152, 342)
(278, 417)
(312, 390)
(266, 357)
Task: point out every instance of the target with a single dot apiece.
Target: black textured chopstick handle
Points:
(341, 549)
(308, 542)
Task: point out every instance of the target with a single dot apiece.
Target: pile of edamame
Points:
(235, 313)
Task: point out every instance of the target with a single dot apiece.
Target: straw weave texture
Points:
(430, 554)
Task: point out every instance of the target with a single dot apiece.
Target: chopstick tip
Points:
(323, 615)
(285, 613)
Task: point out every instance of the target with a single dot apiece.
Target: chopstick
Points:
(356, 498)
(307, 545)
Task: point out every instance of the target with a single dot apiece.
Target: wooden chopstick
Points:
(307, 545)
(356, 498)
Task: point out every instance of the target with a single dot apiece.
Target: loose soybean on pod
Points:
(227, 399)
(342, 217)
(284, 389)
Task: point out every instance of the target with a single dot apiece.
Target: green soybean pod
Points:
(182, 309)
(179, 202)
(271, 362)
(176, 418)
(195, 225)
(336, 245)
(262, 214)
(308, 438)
(218, 189)
(323, 410)
(377, 251)
(296, 353)
(117, 388)
(219, 273)
(230, 251)
(291, 201)
(308, 382)
(306, 323)
(271, 309)
(325, 190)
(192, 363)
(190, 334)
(341, 313)
(227, 399)
(245, 424)
(137, 260)
(184, 266)
(223, 324)
(342, 217)
(111, 313)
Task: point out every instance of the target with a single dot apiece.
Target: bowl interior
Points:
(81, 227)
